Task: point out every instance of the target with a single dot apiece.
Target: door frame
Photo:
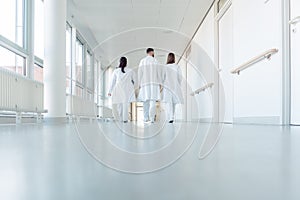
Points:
(286, 63)
(218, 16)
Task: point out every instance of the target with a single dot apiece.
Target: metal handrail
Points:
(260, 57)
(295, 21)
(202, 89)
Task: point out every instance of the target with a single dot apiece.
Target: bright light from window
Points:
(39, 28)
(79, 61)
(11, 20)
(11, 61)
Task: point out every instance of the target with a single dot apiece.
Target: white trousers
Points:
(170, 111)
(149, 110)
(123, 111)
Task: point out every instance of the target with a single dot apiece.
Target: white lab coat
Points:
(172, 77)
(122, 86)
(149, 75)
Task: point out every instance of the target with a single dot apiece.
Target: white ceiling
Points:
(127, 27)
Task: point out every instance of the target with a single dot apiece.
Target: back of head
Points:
(150, 52)
(171, 58)
(123, 63)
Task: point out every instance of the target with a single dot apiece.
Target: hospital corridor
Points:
(144, 100)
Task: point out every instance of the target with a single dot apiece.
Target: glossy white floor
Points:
(250, 162)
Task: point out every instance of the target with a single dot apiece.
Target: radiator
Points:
(78, 106)
(20, 94)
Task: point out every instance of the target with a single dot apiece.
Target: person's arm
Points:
(112, 83)
(133, 78)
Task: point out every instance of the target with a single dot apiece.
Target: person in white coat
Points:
(122, 89)
(149, 76)
(171, 94)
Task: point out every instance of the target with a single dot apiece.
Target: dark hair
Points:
(149, 50)
(171, 58)
(123, 63)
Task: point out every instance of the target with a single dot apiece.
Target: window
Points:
(80, 68)
(79, 62)
(78, 90)
(77, 81)
(11, 61)
(68, 86)
(38, 73)
(89, 95)
(89, 71)
(96, 77)
(68, 58)
(11, 20)
(39, 28)
(108, 76)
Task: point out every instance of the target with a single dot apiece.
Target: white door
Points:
(226, 64)
(295, 64)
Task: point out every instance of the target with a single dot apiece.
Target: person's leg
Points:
(120, 111)
(125, 112)
(152, 110)
(171, 112)
(146, 110)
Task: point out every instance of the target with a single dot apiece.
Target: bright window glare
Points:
(12, 61)
(11, 20)
(68, 51)
(38, 73)
(89, 71)
(38, 28)
(68, 58)
(79, 61)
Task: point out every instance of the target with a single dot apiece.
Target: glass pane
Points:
(11, 61)
(38, 73)
(68, 86)
(89, 71)
(39, 28)
(79, 62)
(89, 96)
(78, 91)
(96, 81)
(68, 51)
(11, 20)
(108, 76)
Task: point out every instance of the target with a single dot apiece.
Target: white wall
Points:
(295, 62)
(257, 91)
(200, 69)
(225, 25)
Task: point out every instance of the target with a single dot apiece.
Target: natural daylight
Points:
(144, 100)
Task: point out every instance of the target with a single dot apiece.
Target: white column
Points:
(55, 58)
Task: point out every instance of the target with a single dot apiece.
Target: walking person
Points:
(122, 89)
(149, 76)
(171, 94)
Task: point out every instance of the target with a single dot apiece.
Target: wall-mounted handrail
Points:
(202, 89)
(260, 57)
(295, 21)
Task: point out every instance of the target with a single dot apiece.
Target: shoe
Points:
(125, 121)
(152, 122)
(171, 121)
